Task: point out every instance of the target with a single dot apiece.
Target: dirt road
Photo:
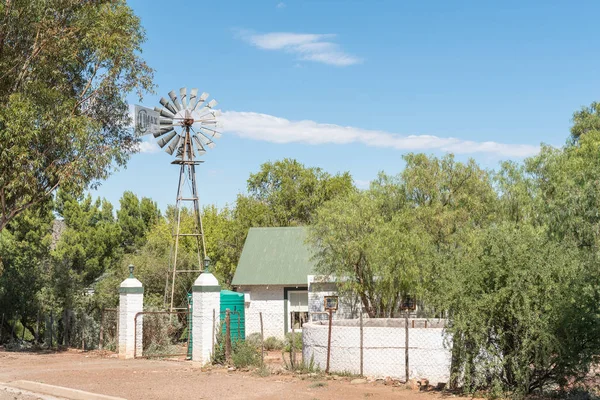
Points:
(148, 379)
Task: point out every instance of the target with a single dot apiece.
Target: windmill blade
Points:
(163, 131)
(208, 114)
(165, 103)
(166, 139)
(174, 99)
(206, 141)
(164, 112)
(199, 146)
(212, 133)
(192, 100)
(202, 99)
(173, 145)
(183, 96)
(165, 121)
(212, 103)
(210, 124)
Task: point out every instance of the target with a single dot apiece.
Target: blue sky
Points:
(352, 86)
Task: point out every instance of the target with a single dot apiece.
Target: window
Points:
(297, 308)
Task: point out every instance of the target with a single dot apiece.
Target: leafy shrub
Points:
(244, 354)
(272, 343)
(303, 367)
(297, 342)
(523, 312)
(254, 340)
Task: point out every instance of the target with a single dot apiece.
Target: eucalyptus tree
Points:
(65, 69)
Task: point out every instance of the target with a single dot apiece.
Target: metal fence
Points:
(164, 334)
(54, 330)
(399, 348)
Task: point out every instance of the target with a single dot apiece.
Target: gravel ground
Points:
(153, 379)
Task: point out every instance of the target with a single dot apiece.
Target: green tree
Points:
(65, 68)
(373, 244)
(292, 192)
(88, 248)
(449, 197)
(585, 120)
(523, 308)
(24, 253)
(135, 218)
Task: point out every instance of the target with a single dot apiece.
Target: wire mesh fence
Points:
(164, 334)
(400, 348)
(66, 329)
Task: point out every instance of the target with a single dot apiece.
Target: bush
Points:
(524, 312)
(297, 342)
(244, 354)
(272, 343)
(254, 340)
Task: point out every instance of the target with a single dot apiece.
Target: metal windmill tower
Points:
(184, 126)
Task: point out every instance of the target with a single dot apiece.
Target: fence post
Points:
(361, 342)
(101, 339)
(213, 333)
(406, 346)
(262, 340)
(293, 344)
(13, 327)
(227, 336)
(329, 341)
(37, 328)
(83, 333)
(51, 328)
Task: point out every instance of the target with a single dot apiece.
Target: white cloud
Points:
(149, 146)
(306, 46)
(281, 4)
(269, 128)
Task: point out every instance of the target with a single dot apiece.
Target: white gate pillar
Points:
(131, 302)
(206, 297)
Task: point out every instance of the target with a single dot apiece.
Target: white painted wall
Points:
(347, 307)
(269, 301)
(384, 348)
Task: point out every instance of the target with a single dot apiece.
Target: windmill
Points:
(185, 126)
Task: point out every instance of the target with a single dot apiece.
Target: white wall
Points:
(269, 301)
(347, 307)
(383, 348)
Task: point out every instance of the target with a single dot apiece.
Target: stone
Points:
(358, 381)
(413, 384)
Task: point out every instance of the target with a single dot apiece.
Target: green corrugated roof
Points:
(274, 256)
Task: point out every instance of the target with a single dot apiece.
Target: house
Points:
(273, 275)
(276, 275)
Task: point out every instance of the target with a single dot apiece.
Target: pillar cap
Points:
(131, 285)
(205, 282)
